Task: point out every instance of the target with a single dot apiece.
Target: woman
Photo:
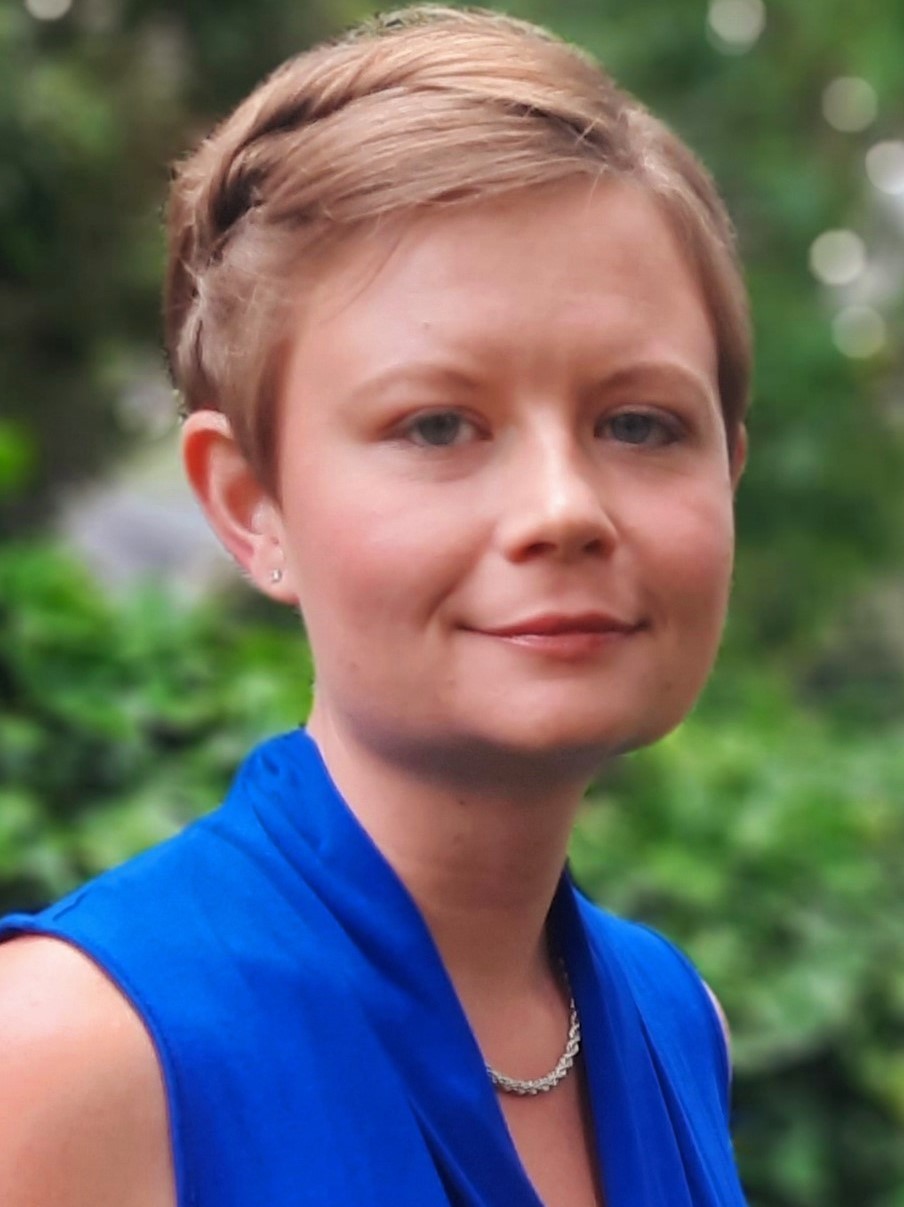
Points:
(464, 350)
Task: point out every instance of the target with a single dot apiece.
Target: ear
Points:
(738, 455)
(241, 512)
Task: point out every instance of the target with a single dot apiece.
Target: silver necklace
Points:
(542, 1085)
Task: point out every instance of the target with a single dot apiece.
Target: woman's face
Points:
(505, 493)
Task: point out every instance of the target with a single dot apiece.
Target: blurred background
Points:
(767, 835)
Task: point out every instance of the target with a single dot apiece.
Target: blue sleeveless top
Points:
(313, 1047)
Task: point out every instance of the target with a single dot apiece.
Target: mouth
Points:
(568, 637)
(556, 624)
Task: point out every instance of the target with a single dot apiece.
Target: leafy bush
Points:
(118, 722)
(773, 853)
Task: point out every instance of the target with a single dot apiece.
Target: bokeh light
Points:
(885, 166)
(837, 257)
(735, 25)
(850, 104)
(48, 10)
(859, 331)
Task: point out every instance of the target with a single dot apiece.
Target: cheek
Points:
(689, 578)
(693, 555)
(367, 559)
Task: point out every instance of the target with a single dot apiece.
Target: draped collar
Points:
(649, 1154)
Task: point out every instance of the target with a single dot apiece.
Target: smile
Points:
(565, 637)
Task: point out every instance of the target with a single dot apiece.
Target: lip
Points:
(554, 624)
(568, 638)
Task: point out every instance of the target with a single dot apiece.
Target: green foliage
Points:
(773, 854)
(119, 722)
(16, 458)
(93, 109)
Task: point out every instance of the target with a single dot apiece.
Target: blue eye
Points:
(639, 428)
(440, 429)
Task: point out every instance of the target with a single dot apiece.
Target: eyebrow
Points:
(426, 373)
(437, 375)
(665, 372)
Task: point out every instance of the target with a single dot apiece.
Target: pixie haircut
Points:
(408, 113)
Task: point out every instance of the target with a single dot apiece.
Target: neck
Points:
(480, 855)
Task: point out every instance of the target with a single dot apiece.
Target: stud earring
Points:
(276, 576)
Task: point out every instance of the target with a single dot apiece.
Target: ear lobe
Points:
(241, 512)
(738, 455)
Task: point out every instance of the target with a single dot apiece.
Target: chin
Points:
(585, 738)
(554, 742)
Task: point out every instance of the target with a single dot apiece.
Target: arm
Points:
(82, 1105)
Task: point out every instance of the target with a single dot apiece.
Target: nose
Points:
(555, 505)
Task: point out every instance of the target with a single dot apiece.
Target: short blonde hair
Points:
(425, 108)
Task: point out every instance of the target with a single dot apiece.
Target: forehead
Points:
(568, 274)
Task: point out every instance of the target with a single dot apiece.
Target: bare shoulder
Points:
(82, 1105)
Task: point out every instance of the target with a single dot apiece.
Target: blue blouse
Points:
(314, 1050)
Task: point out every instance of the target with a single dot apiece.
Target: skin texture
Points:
(82, 1109)
(530, 319)
(510, 414)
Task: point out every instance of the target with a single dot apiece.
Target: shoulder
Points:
(82, 1101)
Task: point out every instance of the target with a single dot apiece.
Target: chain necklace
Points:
(542, 1085)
